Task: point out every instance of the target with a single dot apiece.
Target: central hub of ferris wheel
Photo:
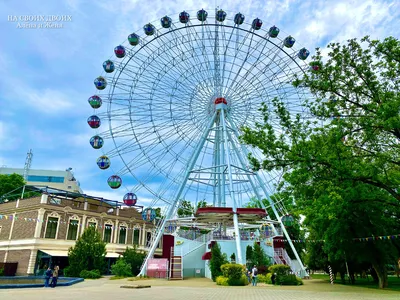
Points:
(220, 103)
(217, 104)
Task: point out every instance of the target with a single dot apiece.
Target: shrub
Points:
(262, 278)
(121, 269)
(1, 272)
(299, 281)
(135, 258)
(238, 281)
(66, 272)
(221, 280)
(235, 274)
(94, 274)
(281, 271)
(268, 278)
(232, 270)
(290, 279)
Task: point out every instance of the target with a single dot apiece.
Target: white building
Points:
(62, 180)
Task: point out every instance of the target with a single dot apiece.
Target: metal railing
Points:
(282, 253)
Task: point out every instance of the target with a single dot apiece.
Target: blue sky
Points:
(47, 73)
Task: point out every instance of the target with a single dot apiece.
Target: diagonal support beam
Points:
(239, 258)
(271, 203)
(175, 203)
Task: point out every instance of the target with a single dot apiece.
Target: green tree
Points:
(249, 255)
(10, 183)
(88, 253)
(202, 204)
(135, 258)
(217, 260)
(295, 232)
(158, 212)
(259, 258)
(343, 173)
(185, 209)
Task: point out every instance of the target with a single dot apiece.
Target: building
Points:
(62, 180)
(38, 231)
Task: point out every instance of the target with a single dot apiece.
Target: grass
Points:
(393, 282)
(117, 277)
(139, 278)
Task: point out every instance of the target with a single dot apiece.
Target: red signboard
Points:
(157, 268)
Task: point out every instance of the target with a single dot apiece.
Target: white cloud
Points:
(47, 75)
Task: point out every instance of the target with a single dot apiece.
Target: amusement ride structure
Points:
(176, 98)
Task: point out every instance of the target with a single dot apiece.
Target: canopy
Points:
(64, 253)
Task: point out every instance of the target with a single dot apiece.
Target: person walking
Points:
(55, 277)
(47, 276)
(273, 277)
(254, 273)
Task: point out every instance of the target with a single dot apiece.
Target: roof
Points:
(64, 253)
(225, 214)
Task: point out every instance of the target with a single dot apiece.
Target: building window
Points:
(107, 233)
(51, 229)
(136, 236)
(148, 239)
(55, 201)
(122, 235)
(92, 224)
(35, 178)
(73, 230)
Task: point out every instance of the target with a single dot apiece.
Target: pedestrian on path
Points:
(47, 276)
(254, 273)
(55, 277)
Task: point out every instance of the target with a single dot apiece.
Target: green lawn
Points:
(394, 282)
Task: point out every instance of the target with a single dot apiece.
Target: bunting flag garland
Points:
(365, 239)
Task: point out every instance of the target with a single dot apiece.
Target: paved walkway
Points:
(195, 289)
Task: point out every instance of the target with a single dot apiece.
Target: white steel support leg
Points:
(171, 209)
(223, 163)
(218, 164)
(239, 258)
(261, 183)
(215, 163)
(242, 162)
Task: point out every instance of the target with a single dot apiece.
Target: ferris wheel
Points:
(172, 102)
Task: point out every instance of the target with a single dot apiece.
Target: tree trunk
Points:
(381, 271)
(352, 278)
(343, 277)
(374, 276)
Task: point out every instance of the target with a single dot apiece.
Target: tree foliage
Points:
(259, 258)
(9, 183)
(217, 260)
(185, 209)
(134, 258)
(88, 253)
(121, 268)
(343, 166)
(295, 232)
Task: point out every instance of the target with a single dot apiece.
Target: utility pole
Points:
(28, 163)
